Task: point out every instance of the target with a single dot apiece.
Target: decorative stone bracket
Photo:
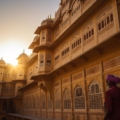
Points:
(47, 86)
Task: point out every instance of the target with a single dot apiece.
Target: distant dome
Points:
(36, 38)
(22, 55)
(48, 21)
(2, 61)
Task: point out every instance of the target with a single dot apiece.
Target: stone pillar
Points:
(71, 97)
(86, 96)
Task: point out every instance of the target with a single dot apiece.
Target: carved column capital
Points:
(47, 86)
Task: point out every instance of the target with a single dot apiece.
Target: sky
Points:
(18, 21)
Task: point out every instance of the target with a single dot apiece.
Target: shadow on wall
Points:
(8, 107)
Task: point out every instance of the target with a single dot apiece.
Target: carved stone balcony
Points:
(32, 58)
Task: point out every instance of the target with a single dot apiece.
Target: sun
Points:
(11, 57)
(14, 62)
(10, 51)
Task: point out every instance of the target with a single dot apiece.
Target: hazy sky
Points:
(18, 21)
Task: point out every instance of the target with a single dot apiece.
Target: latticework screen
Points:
(95, 96)
(41, 60)
(79, 99)
(67, 100)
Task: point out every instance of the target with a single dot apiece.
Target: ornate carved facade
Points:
(64, 78)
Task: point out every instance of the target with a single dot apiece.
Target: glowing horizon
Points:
(11, 51)
(19, 20)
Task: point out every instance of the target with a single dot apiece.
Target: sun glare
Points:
(14, 62)
(10, 51)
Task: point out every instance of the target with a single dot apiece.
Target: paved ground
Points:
(28, 117)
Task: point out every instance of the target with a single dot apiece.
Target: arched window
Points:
(79, 99)
(66, 99)
(57, 99)
(95, 96)
(50, 104)
(43, 101)
(4, 105)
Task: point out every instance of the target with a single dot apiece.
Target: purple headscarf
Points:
(113, 79)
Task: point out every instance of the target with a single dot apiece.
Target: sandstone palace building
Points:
(64, 78)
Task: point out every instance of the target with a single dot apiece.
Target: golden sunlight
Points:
(13, 62)
(10, 51)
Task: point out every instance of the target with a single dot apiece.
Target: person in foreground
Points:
(112, 99)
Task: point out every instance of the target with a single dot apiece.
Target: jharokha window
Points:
(48, 60)
(50, 104)
(65, 51)
(79, 99)
(41, 60)
(43, 101)
(105, 22)
(43, 35)
(76, 43)
(95, 96)
(89, 34)
(57, 99)
(66, 99)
